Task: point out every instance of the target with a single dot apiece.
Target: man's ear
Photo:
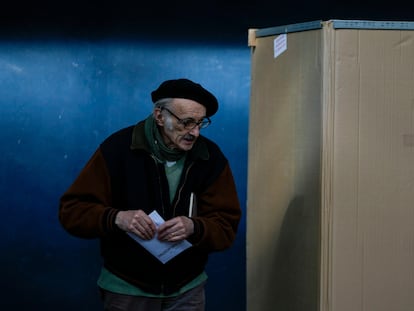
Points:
(158, 117)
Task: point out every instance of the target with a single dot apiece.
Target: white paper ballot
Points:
(163, 251)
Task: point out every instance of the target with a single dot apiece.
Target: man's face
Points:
(175, 135)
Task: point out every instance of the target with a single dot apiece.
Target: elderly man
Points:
(160, 165)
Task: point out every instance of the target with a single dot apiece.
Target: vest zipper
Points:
(181, 187)
(160, 184)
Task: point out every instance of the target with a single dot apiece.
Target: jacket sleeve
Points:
(219, 213)
(84, 209)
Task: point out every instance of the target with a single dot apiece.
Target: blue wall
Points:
(58, 100)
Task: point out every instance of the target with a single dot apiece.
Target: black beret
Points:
(184, 88)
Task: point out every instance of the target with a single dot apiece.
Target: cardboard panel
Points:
(284, 175)
(373, 185)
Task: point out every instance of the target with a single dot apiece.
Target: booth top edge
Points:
(336, 24)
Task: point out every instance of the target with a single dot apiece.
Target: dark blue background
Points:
(73, 72)
(59, 100)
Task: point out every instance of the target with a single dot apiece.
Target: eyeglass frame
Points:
(202, 124)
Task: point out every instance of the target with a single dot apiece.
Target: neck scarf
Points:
(157, 145)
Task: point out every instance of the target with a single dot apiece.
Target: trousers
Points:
(192, 300)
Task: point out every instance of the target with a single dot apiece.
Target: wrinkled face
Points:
(173, 131)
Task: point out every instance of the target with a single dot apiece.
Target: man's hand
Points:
(137, 222)
(176, 229)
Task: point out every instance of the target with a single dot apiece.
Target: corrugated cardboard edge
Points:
(252, 37)
(325, 303)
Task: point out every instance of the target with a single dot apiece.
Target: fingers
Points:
(143, 225)
(175, 229)
(137, 222)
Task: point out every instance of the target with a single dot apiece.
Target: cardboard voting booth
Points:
(330, 200)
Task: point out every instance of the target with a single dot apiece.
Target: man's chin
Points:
(186, 146)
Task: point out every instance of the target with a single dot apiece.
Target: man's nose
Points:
(195, 131)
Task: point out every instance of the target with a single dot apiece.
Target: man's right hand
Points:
(137, 222)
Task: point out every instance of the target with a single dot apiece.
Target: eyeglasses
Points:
(190, 123)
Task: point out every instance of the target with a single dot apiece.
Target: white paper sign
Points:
(163, 251)
(279, 45)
